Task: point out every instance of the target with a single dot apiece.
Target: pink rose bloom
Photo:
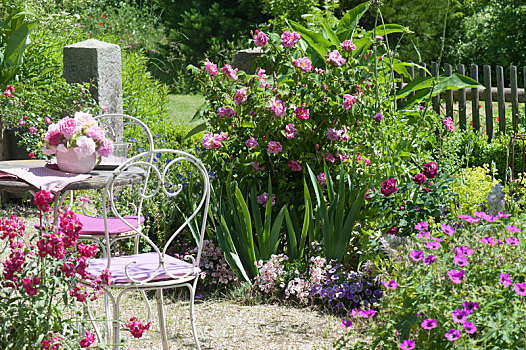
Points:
(294, 165)
(10, 91)
(262, 78)
(95, 133)
(229, 71)
(274, 147)
(67, 127)
(22, 122)
(349, 101)
(449, 124)
(277, 107)
(84, 119)
(251, 142)
(222, 136)
(321, 178)
(333, 135)
(347, 45)
(260, 39)
(48, 120)
(85, 146)
(210, 68)
(335, 58)
(302, 113)
(303, 63)
(289, 39)
(106, 148)
(241, 96)
(225, 112)
(291, 131)
(53, 135)
(33, 130)
(211, 140)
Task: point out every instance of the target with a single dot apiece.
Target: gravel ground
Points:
(221, 323)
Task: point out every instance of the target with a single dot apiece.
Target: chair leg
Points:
(192, 289)
(116, 324)
(160, 312)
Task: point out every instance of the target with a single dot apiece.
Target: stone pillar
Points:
(243, 59)
(99, 63)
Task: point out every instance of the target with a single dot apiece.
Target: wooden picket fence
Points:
(445, 103)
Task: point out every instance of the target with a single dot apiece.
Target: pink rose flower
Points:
(48, 120)
(68, 127)
(106, 148)
(336, 58)
(229, 71)
(210, 68)
(211, 140)
(84, 119)
(303, 63)
(294, 165)
(333, 134)
(251, 142)
(321, 178)
(291, 131)
(225, 112)
(449, 124)
(277, 107)
(302, 113)
(33, 130)
(349, 101)
(241, 96)
(262, 77)
(289, 39)
(274, 147)
(260, 39)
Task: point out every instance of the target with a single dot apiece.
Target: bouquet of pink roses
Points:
(82, 133)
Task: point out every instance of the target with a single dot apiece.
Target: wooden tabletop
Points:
(98, 179)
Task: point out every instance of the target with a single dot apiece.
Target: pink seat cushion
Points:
(145, 266)
(95, 225)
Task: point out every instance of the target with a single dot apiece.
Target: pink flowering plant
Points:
(81, 133)
(40, 298)
(411, 198)
(455, 285)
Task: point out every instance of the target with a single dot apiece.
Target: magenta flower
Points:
(346, 324)
(471, 220)
(452, 335)
(429, 323)
(417, 255)
(67, 127)
(277, 107)
(430, 259)
(459, 315)
(262, 77)
(520, 288)
(303, 63)
(349, 101)
(241, 96)
(33, 130)
(367, 313)
(229, 71)
(407, 344)
(336, 58)
(378, 117)
(449, 124)
(302, 113)
(274, 147)
(447, 229)
(89, 338)
(321, 178)
(488, 240)
(461, 260)
(456, 276)
(333, 134)
(348, 45)
(225, 112)
(470, 306)
(470, 327)
(433, 245)
(419, 179)
(210, 68)
(263, 199)
(512, 229)
(251, 142)
(463, 250)
(421, 226)
(388, 187)
(289, 39)
(260, 39)
(294, 165)
(512, 241)
(291, 131)
(505, 279)
(390, 284)
(430, 170)
(503, 215)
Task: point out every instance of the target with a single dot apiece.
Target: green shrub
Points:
(473, 186)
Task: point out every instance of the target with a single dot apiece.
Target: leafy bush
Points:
(453, 287)
(473, 186)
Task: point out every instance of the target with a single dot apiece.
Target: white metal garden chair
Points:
(171, 174)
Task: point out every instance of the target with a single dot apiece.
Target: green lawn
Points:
(181, 108)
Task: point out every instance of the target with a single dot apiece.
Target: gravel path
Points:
(221, 323)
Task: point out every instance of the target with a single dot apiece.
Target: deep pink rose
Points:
(289, 39)
(419, 179)
(274, 147)
(388, 187)
(67, 127)
(260, 39)
(430, 170)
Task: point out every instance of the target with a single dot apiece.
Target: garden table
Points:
(99, 178)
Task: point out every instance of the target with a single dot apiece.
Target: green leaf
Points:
(195, 130)
(292, 244)
(200, 112)
(349, 21)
